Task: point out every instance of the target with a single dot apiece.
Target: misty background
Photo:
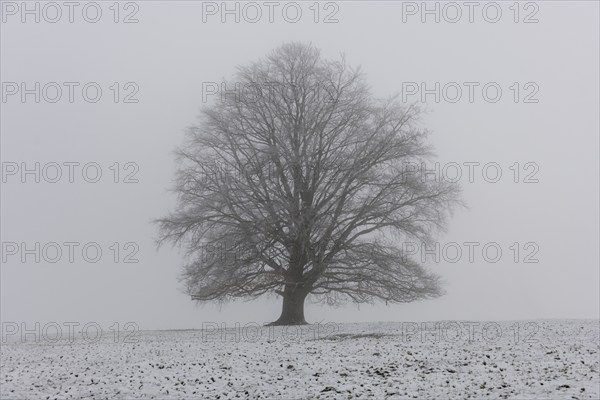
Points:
(171, 52)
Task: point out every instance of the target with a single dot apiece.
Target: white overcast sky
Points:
(168, 55)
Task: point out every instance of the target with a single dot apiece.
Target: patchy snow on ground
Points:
(556, 359)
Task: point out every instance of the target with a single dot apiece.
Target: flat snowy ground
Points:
(460, 360)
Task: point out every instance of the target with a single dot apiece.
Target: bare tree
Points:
(296, 183)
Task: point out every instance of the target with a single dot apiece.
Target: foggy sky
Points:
(171, 52)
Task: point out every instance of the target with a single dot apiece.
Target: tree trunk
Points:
(292, 312)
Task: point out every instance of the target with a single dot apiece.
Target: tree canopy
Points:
(297, 184)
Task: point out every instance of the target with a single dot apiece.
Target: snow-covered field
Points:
(392, 360)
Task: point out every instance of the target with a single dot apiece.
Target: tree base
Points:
(281, 322)
(292, 311)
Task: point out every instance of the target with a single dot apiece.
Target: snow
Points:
(544, 359)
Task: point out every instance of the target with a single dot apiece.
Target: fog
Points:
(542, 213)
